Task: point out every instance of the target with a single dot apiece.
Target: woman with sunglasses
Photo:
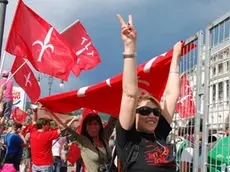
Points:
(144, 123)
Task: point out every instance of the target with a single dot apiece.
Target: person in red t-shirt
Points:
(41, 145)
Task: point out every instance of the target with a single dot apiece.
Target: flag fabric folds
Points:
(18, 115)
(88, 56)
(26, 79)
(106, 96)
(186, 103)
(31, 37)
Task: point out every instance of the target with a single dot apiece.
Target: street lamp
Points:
(3, 4)
(50, 83)
(61, 85)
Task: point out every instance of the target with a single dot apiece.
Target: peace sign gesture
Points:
(128, 32)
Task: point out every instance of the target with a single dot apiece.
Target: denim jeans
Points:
(48, 168)
(57, 164)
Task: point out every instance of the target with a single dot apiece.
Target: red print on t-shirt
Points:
(157, 153)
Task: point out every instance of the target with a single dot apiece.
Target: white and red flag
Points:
(105, 96)
(31, 37)
(186, 103)
(26, 79)
(88, 56)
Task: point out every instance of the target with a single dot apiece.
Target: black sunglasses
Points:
(145, 110)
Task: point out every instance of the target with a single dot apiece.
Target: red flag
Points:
(27, 129)
(88, 56)
(33, 38)
(106, 96)
(186, 104)
(25, 78)
(87, 111)
(74, 154)
(18, 115)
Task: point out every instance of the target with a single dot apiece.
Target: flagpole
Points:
(3, 4)
(11, 76)
(2, 61)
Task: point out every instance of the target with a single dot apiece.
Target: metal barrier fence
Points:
(185, 135)
(201, 124)
(216, 109)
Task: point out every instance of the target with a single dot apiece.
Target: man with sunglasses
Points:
(144, 123)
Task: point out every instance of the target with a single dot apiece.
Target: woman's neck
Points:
(97, 141)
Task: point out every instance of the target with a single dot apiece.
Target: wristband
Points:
(129, 55)
(174, 71)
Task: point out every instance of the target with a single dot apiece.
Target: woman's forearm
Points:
(129, 80)
(173, 84)
(130, 86)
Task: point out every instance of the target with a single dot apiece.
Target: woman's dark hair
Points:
(89, 118)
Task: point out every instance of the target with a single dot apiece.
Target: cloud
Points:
(159, 25)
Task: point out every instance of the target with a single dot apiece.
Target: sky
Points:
(159, 24)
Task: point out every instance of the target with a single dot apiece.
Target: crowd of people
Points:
(140, 132)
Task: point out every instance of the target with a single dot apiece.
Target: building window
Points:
(220, 91)
(227, 83)
(227, 65)
(214, 71)
(214, 58)
(226, 53)
(214, 93)
(220, 56)
(227, 29)
(220, 68)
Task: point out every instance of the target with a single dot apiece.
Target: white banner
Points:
(19, 97)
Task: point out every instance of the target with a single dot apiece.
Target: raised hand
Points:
(177, 49)
(128, 32)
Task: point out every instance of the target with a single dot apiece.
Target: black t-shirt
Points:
(154, 154)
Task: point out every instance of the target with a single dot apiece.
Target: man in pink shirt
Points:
(7, 97)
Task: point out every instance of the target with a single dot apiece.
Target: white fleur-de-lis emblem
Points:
(81, 91)
(28, 79)
(149, 64)
(188, 88)
(183, 99)
(45, 45)
(108, 82)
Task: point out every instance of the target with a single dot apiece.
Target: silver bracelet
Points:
(174, 71)
(130, 55)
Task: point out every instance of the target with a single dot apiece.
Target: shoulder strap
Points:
(132, 157)
(56, 141)
(113, 158)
